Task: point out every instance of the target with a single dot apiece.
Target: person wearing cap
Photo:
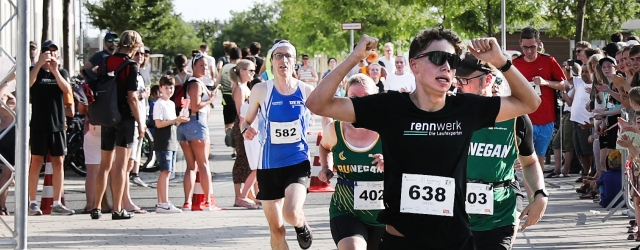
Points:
(145, 67)
(110, 44)
(285, 167)
(48, 84)
(490, 167)
(33, 52)
(543, 72)
(426, 135)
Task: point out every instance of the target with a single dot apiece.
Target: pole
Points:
(503, 13)
(351, 48)
(81, 40)
(22, 128)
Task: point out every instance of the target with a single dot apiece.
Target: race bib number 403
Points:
(479, 199)
(427, 194)
(285, 132)
(368, 195)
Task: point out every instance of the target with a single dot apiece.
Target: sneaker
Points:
(61, 210)
(136, 180)
(186, 207)
(206, 206)
(305, 238)
(167, 209)
(632, 229)
(122, 215)
(34, 209)
(96, 214)
(551, 175)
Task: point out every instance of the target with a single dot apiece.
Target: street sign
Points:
(351, 26)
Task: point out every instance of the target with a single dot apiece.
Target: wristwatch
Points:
(543, 191)
(506, 67)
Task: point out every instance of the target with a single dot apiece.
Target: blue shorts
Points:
(194, 129)
(542, 135)
(166, 160)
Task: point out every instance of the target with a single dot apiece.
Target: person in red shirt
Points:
(546, 76)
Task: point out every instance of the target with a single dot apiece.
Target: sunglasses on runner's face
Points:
(440, 57)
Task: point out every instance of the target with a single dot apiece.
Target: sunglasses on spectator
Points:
(113, 40)
(440, 57)
(305, 58)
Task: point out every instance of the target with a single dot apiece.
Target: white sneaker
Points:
(167, 209)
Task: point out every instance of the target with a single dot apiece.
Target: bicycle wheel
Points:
(148, 156)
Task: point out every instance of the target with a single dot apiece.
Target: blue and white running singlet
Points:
(283, 128)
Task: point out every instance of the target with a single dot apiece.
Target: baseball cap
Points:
(147, 50)
(47, 44)
(33, 44)
(611, 49)
(608, 58)
(110, 34)
(615, 157)
(470, 64)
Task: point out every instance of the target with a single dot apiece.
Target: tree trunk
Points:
(582, 8)
(66, 46)
(46, 4)
(489, 20)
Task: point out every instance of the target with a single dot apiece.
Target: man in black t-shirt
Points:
(120, 137)
(48, 136)
(426, 135)
(110, 43)
(254, 48)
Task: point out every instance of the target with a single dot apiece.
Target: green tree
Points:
(161, 29)
(257, 24)
(207, 30)
(315, 26)
(601, 18)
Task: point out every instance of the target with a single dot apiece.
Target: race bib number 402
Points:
(285, 132)
(368, 195)
(479, 199)
(427, 194)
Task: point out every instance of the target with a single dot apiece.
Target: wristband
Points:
(506, 67)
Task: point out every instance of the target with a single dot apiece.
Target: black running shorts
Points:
(273, 182)
(345, 226)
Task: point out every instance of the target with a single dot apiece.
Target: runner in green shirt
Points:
(492, 202)
(359, 191)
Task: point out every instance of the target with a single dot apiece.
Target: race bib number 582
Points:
(427, 194)
(285, 132)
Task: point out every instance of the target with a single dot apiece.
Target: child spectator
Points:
(166, 141)
(610, 182)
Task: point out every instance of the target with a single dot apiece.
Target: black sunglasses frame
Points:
(440, 57)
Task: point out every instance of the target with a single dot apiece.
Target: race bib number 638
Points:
(427, 194)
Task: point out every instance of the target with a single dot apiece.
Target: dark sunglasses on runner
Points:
(113, 40)
(440, 57)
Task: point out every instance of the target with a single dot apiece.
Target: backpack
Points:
(104, 110)
(179, 93)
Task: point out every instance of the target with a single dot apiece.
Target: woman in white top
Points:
(241, 75)
(194, 136)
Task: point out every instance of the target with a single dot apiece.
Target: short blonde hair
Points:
(130, 39)
(363, 79)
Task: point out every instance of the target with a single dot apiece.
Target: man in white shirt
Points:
(388, 59)
(400, 81)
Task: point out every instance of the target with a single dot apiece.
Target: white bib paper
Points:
(536, 88)
(367, 195)
(286, 132)
(427, 194)
(479, 199)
